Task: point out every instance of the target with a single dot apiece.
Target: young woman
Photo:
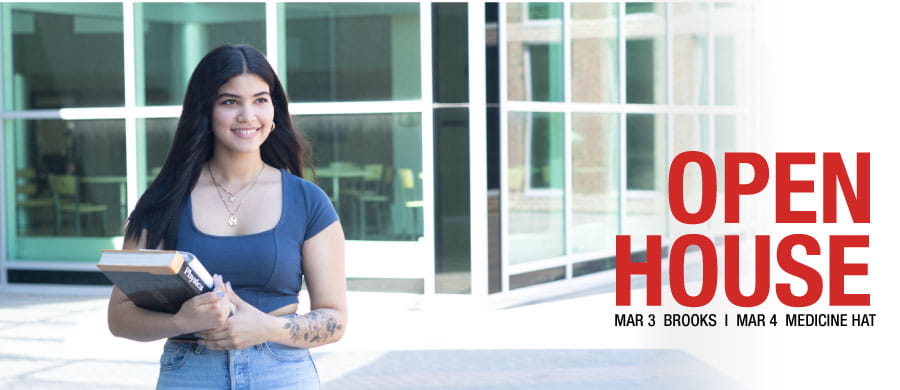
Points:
(231, 192)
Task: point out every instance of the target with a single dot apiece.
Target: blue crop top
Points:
(264, 268)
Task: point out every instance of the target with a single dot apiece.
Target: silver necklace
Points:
(232, 215)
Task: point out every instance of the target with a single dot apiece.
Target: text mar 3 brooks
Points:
(744, 320)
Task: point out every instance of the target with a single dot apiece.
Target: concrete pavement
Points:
(58, 339)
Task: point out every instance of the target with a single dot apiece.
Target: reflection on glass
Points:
(595, 181)
(535, 177)
(452, 212)
(727, 30)
(352, 52)
(69, 183)
(645, 206)
(534, 51)
(157, 134)
(451, 83)
(64, 55)
(725, 70)
(645, 53)
(595, 55)
(370, 165)
(177, 36)
(727, 139)
(689, 53)
(691, 133)
(539, 11)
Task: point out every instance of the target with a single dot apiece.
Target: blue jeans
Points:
(186, 365)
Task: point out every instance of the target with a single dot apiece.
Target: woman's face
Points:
(242, 114)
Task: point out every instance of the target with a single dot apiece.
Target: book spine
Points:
(191, 278)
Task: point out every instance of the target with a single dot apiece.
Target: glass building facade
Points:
(469, 148)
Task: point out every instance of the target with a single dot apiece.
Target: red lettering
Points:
(790, 265)
(733, 270)
(676, 270)
(733, 186)
(784, 187)
(625, 268)
(833, 173)
(839, 269)
(676, 187)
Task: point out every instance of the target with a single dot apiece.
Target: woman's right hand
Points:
(204, 311)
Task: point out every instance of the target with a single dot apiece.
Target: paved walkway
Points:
(394, 341)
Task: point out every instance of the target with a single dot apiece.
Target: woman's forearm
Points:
(313, 329)
(135, 323)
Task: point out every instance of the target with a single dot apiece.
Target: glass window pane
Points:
(65, 55)
(534, 53)
(352, 52)
(726, 141)
(538, 11)
(691, 133)
(730, 47)
(176, 36)
(638, 8)
(450, 45)
(645, 54)
(595, 181)
(69, 187)
(535, 177)
(595, 57)
(727, 138)
(157, 135)
(725, 80)
(645, 205)
(452, 234)
(370, 165)
(689, 53)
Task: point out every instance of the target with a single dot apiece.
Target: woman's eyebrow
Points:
(231, 95)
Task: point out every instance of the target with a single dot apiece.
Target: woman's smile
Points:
(246, 132)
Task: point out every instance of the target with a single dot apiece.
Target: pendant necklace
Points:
(232, 195)
(232, 215)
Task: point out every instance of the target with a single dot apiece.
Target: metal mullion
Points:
(132, 169)
(504, 152)
(147, 112)
(622, 116)
(50, 265)
(371, 107)
(427, 99)
(626, 108)
(6, 72)
(567, 138)
(273, 54)
(710, 88)
(710, 57)
(477, 107)
(670, 102)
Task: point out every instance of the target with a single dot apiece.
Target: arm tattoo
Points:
(313, 327)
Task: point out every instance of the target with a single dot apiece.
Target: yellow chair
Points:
(408, 197)
(515, 179)
(28, 196)
(66, 199)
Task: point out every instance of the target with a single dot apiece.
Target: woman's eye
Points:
(262, 100)
(229, 101)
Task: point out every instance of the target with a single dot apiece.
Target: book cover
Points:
(155, 279)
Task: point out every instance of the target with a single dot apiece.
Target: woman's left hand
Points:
(246, 327)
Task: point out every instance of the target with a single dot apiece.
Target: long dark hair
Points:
(159, 209)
